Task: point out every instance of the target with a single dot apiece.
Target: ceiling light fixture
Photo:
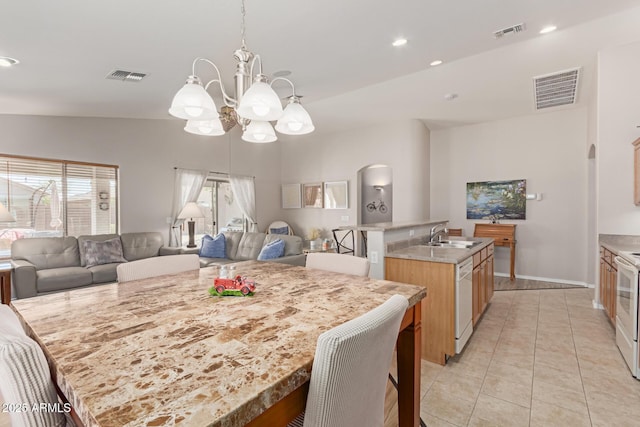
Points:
(548, 29)
(436, 62)
(399, 42)
(253, 105)
(5, 61)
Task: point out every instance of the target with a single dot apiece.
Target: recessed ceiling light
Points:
(5, 61)
(436, 62)
(399, 42)
(548, 29)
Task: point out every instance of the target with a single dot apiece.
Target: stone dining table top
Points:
(161, 351)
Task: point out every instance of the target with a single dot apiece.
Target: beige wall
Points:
(546, 149)
(403, 145)
(146, 151)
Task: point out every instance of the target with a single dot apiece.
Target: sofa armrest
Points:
(170, 250)
(24, 278)
(190, 251)
(299, 260)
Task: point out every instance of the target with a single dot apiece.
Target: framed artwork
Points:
(312, 196)
(494, 200)
(291, 197)
(336, 195)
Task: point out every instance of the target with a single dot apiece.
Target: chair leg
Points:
(395, 385)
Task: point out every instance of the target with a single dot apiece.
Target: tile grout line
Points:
(533, 370)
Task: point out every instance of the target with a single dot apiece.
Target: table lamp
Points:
(5, 215)
(191, 210)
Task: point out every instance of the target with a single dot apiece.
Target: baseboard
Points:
(597, 305)
(547, 279)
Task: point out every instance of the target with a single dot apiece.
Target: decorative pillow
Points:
(272, 250)
(213, 247)
(102, 252)
(280, 230)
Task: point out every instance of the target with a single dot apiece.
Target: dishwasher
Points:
(464, 303)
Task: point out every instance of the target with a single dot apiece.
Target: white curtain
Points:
(244, 190)
(187, 187)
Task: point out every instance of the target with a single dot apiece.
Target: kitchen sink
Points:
(457, 244)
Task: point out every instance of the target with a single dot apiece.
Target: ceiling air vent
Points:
(510, 30)
(125, 76)
(553, 90)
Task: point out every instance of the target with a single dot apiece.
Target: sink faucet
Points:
(437, 230)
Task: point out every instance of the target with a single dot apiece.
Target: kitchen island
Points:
(437, 269)
(379, 235)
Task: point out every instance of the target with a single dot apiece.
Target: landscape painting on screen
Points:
(495, 200)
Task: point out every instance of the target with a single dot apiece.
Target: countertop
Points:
(616, 243)
(437, 254)
(160, 351)
(385, 226)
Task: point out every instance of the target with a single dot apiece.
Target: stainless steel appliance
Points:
(464, 303)
(627, 309)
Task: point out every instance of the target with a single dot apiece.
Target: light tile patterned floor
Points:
(537, 358)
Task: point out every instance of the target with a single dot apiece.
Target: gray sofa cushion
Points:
(47, 252)
(249, 246)
(141, 245)
(292, 244)
(55, 279)
(95, 238)
(104, 273)
(232, 240)
(100, 253)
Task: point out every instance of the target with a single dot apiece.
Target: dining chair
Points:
(157, 266)
(344, 241)
(454, 231)
(279, 227)
(338, 263)
(351, 367)
(26, 379)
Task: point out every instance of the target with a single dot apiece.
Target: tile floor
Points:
(537, 358)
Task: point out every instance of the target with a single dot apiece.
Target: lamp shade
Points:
(5, 215)
(190, 210)
(295, 120)
(259, 132)
(193, 102)
(260, 102)
(211, 127)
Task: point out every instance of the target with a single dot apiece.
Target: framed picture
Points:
(495, 200)
(336, 195)
(312, 195)
(291, 197)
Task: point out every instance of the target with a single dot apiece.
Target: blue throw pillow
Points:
(272, 250)
(213, 247)
(280, 230)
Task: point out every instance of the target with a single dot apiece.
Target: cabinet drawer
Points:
(608, 256)
(483, 254)
(476, 259)
(490, 249)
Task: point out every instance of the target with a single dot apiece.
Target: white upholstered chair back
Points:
(279, 224)
(338, 263)
(351, 368)
(157, 266)
(25, 376)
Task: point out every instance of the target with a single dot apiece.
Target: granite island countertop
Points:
(386, 226)
(617, 243)
(423, 252)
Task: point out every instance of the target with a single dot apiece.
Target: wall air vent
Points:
(553, 90)
(125, 76)
(510, 30)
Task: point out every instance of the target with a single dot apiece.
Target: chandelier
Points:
(254, 105)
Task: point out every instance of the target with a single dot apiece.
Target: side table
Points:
(5, 282)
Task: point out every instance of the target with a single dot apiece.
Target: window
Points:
(56, 198)
(218, 204)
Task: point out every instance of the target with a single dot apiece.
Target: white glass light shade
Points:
(295, 120)
(260, 102)
(190, 210)
(5, 215)
(205, 127)
(193, 102)
(259, 132)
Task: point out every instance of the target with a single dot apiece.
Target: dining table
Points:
(163, 351)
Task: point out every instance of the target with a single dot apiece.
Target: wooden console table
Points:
(5, 283)
(503, 235)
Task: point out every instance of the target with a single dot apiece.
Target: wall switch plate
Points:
(344, 218)
(412, 233)
(373, 257)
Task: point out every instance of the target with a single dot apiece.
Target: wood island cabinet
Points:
(608, 283)
(482, 280)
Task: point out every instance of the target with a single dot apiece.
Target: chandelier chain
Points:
(242, 25)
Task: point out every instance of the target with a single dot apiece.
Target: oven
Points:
(627, 308)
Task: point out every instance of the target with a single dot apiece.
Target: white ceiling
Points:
(339, 53)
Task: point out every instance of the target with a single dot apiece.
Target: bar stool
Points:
(344, 241)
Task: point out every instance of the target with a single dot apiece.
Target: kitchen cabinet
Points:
(482, 280)
(608, 283)
(636, 172)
